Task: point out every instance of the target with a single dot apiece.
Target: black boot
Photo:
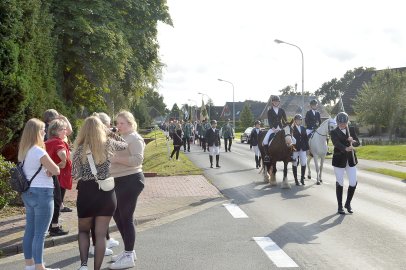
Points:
(211, 161)
(256, 162)
(339, 194)
(259, 161)
(266, 158)
(217, 161)
(350, 194)
(294, 169)
(303, 175)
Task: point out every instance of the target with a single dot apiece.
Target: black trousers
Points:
(186, 141)
(176, 149)
(57, 200)
(230, 141)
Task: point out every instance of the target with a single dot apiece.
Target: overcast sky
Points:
(234, 40)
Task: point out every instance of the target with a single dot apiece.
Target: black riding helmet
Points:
(257, 122)
(275, 98)
(298, 117)
(342, 118)
(314, 102)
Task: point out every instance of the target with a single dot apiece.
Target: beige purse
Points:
(105, 184)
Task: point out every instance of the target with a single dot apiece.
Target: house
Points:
(292, 106)
(227, 111)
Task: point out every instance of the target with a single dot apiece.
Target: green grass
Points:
(400, 175)
(382, 152)
(156, 158)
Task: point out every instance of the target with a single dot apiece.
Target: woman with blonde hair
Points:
(129, 183)
(94, 204)
(38, 199)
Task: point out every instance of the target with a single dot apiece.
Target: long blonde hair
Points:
(93, 135)
(31, 136)
(129, 117)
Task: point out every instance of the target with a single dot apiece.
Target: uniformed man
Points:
(254, 143)
(187, 135)
(214, 143)
(227, 132)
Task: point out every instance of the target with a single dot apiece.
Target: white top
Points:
(31, 165)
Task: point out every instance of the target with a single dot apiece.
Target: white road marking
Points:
(274, 252)
(235, 211)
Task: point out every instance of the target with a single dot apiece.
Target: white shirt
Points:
(32, 163)
(276, 110)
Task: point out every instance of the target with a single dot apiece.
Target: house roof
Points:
(292, 106)
(353, 89)
(256, 109)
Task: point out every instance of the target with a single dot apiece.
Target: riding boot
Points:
(303, 175)
(350, 194)
(294, 169)
(211, 161)
(339, 194)
(256, 162)
(217, 161)
(259, 161)
(266, 158)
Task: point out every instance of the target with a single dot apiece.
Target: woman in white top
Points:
(39, 198)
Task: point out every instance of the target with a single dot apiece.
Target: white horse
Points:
(318, 147)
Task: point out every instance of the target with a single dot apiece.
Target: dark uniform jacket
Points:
(177, 137)
(312, 121)
(302, 140)
(275, 120)
(213, 137)
(340, 156)
(254, 137)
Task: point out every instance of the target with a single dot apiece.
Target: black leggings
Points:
(176, 149)
(127, 188)
(93, 232)
(57, 200)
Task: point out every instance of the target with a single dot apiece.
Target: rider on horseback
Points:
(276, 120)
(313, 119)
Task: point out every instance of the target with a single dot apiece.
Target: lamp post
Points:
(203, 94)
(221, 80)
(279, 42)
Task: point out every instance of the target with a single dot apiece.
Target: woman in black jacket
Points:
(344, 160)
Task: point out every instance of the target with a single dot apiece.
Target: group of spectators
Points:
(45, 147)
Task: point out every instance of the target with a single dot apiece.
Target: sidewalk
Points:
(364, 164)
(162, 196)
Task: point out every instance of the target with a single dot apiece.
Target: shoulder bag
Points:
(105, 184)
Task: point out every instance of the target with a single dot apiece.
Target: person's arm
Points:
(49, 165)
(136, 149)
(76, 165)
(62, 155)
(307, 119)
(336, 142)
(284, 118)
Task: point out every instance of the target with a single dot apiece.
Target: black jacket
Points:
(254, 137)
(275, 120)
(177, 137)
(340, 142)
(213, 138)
(302, 140)
(312, 121)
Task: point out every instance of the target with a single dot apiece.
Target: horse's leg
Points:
(321, 167)
(285, 183)
(316, 164)
(265, 171)
(272, 172)
(309, 173)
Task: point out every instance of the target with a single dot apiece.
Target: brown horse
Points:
(280, 149)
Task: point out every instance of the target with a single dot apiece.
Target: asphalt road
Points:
(296, 227)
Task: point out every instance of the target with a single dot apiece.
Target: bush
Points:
(7, 195)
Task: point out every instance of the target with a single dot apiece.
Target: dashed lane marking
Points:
(274, 252)
(235, 211)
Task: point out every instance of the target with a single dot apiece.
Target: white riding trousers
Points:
(214, 150)
(302, 156)
(256, 150)
(351, 173)
(266, 139)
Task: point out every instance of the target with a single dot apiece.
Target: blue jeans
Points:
(39, 206)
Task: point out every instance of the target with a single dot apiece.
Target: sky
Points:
(234, 40)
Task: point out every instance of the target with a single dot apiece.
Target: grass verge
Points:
(400, 175)
(156, 158)
(382, 152)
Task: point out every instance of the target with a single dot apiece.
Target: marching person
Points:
(227, 132)
(187, 135)
(302, 145)
(39, 198)
(344, 160)
(254, 143)
(204, 127)
(177, 141)
(276, 120)
(214, 143)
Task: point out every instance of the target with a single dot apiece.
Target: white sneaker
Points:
(83, 267)
(125, 261)
(112, 243)
(107, 252)
(117, 257)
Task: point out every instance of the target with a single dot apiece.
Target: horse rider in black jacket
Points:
(214, 143)
(313, 119)
(344, 160)
(301, 146)
(254, 143)
(276, 120)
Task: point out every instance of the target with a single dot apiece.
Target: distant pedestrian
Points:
(254, 143)
(187, 128)
(38, 199)
(227, 132)
(177, 141)
(214, 143)
(94, 205)
(129, 183)
(344, 160)
(301, 146)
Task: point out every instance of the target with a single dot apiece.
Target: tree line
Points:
(77, 57)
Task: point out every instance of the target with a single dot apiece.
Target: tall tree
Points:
(175, 112)
(291, 91)
(246, 117)
(382, 102)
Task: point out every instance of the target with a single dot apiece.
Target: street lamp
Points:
(203, 94)
(221, 80)
(279, 42)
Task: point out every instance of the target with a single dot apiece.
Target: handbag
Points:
(105, 184)
(18, 180)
